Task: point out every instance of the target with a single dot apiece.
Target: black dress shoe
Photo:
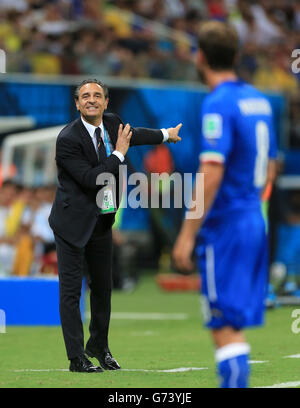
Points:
(105, 359)
(82, 364)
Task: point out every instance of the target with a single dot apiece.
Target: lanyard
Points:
(106, 143)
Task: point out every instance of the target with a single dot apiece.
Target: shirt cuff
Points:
(165, 134)
(119, 155)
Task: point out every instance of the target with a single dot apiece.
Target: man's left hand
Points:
(182, 253)
(173, 134)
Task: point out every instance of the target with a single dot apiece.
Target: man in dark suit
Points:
(92, 145)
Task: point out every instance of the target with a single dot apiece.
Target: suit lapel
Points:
(111, 129)
(88, 143)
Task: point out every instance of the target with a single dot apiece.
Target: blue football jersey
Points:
(238, 131)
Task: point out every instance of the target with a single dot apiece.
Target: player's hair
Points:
(91, 81)
(220, 44)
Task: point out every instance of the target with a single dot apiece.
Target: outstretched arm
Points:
(142, 136)
(147, 136)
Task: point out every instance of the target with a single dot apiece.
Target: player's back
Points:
(237, 131)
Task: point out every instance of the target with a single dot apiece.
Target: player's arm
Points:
(213, 175)
(270, 179)
(216, 143)
(272, 164)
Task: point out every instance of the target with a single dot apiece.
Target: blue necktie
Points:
(101, 151)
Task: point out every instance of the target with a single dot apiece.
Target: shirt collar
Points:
(91, 128)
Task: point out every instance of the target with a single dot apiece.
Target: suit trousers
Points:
(96, 260)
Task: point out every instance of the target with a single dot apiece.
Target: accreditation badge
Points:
(109, 200)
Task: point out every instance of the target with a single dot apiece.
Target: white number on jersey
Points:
(262, 157)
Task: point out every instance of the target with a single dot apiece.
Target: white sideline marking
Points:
(257, 361)
(172, 370)
(283, 385)
(149, 316)
(293, 356)
(145, 333)
(145, 316)
(39, 370)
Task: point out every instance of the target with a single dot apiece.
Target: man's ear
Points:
(236, 58)
(106, 103)
(200, 58)
(77, 105)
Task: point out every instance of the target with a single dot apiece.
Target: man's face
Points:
(91, 101)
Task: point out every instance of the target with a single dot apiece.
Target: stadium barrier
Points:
(32, 301)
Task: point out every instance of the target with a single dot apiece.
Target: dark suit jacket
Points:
(74, 212)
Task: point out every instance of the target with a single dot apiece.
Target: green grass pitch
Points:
(34, 357)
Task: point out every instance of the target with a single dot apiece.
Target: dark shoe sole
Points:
(88, 372)
(103, 365)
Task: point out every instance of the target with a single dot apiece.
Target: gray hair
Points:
(91, 81)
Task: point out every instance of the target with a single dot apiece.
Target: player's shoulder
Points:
(233, 90)
(238, 96)
(251, 101)
(251, 90)
(222, 99)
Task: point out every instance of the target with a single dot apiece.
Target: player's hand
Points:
(173, 134)
(182, 253)
(123, 141)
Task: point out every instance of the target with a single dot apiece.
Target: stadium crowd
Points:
(147, 38)
(153, 39)
(26, 241)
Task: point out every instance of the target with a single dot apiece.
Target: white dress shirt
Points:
(91, 130)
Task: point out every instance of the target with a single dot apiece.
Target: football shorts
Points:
(232, 257)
